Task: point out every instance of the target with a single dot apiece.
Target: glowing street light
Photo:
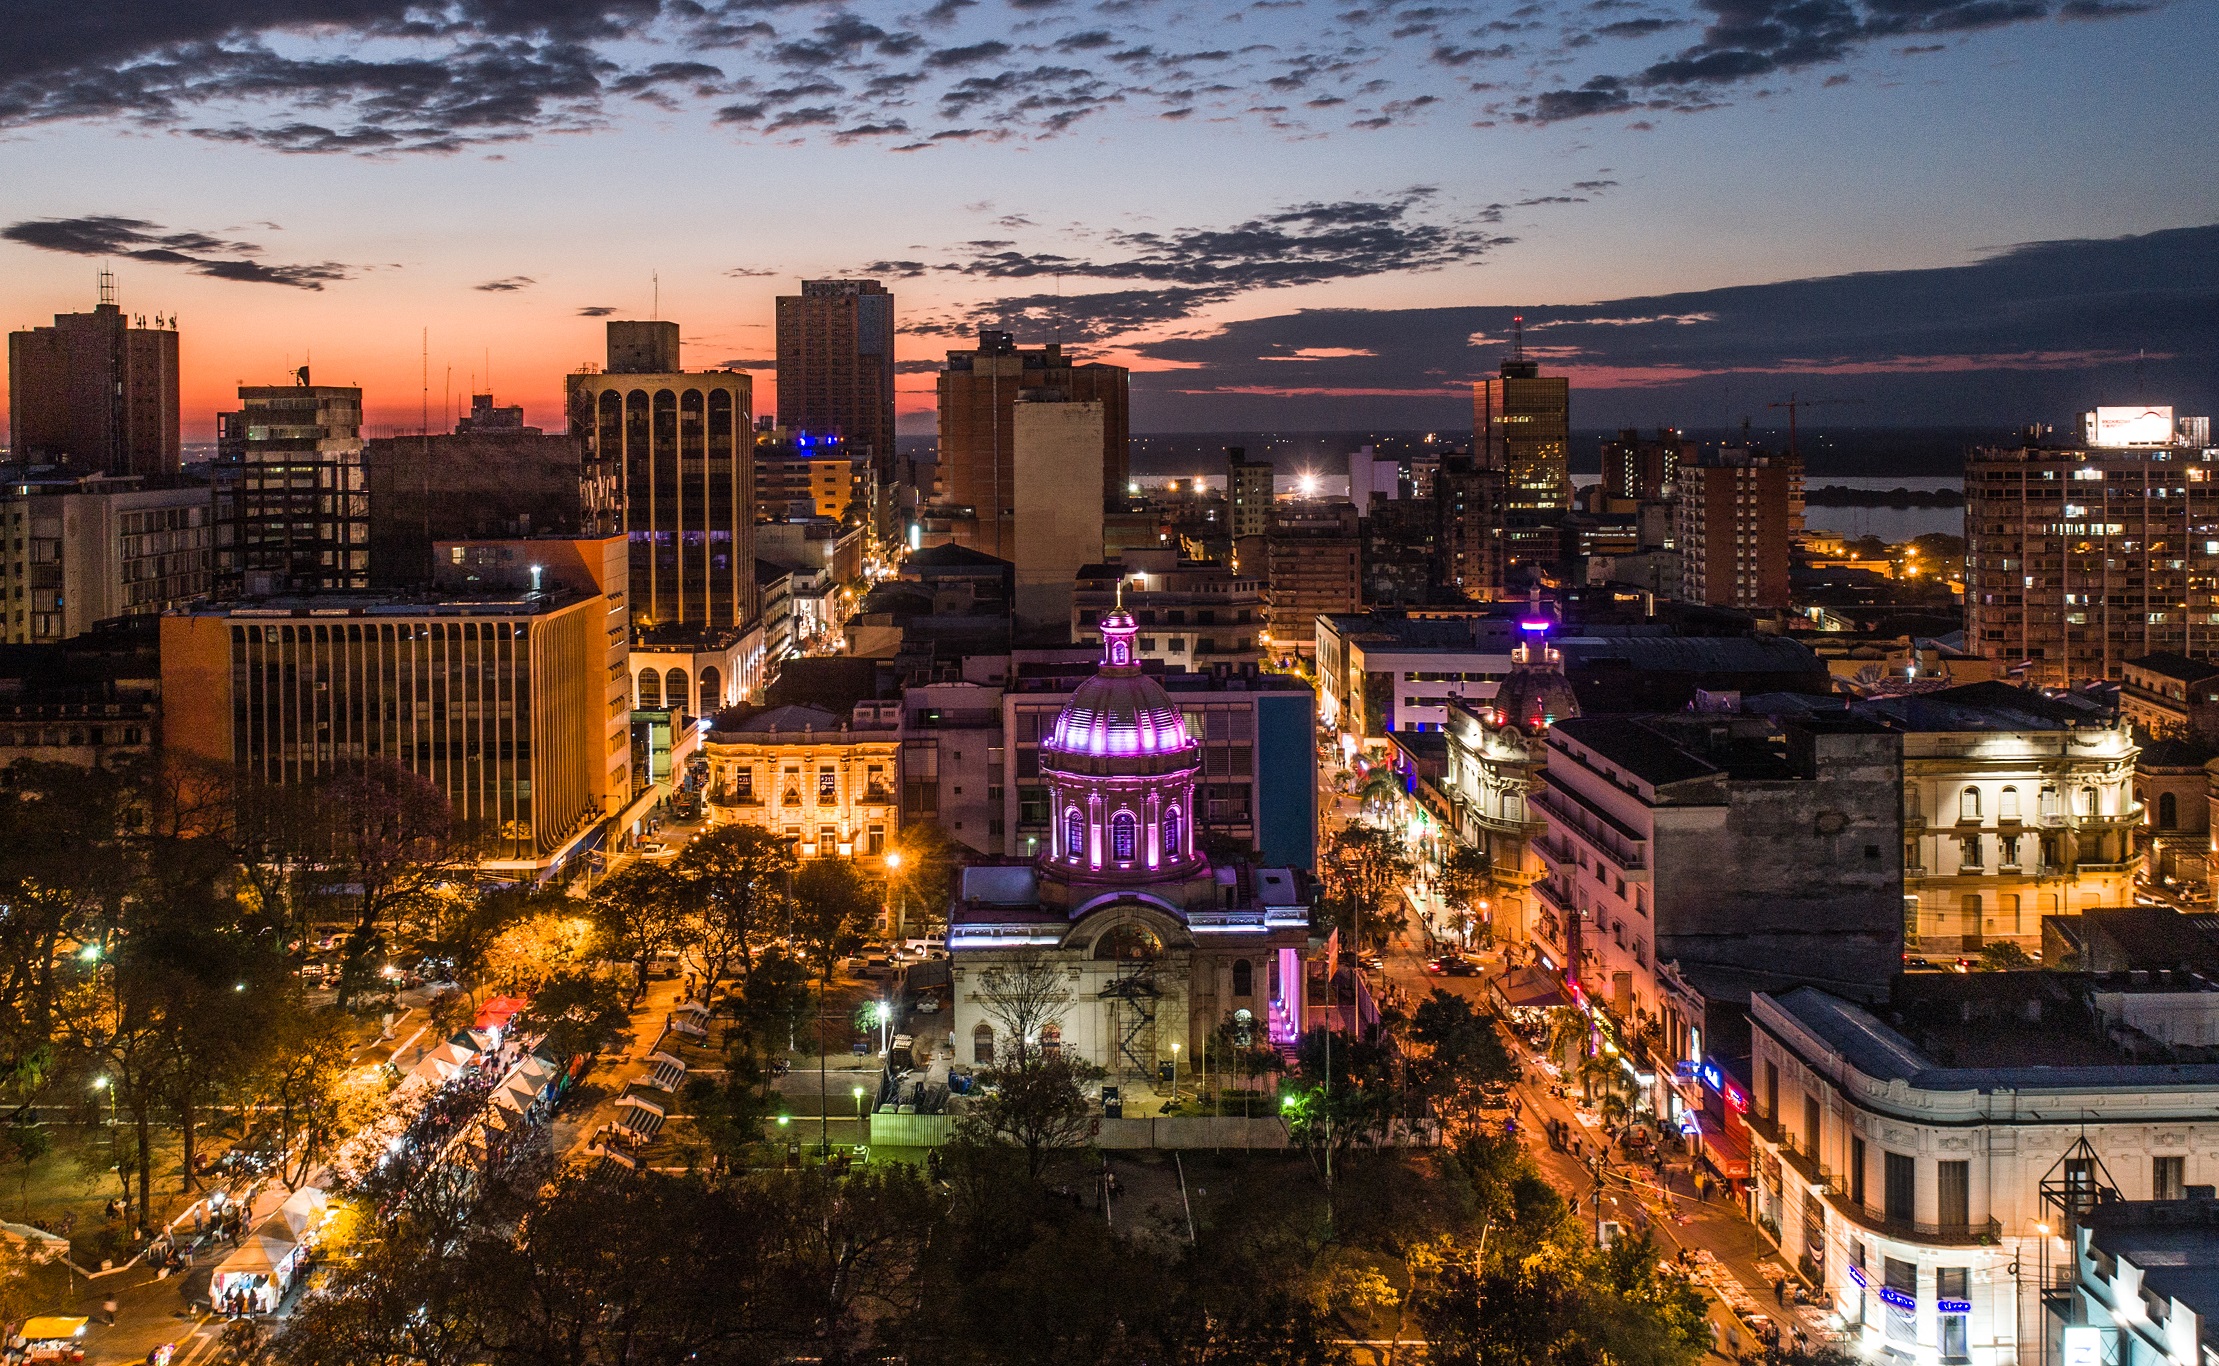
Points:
(859, 1105)
(885, 1013)
(101, 1084)
(1174, 1073)
(90, 953)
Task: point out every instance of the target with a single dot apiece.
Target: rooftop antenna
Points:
(107, 286)
(1517, 336)
(655, 313)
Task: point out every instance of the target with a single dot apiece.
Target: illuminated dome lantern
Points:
(1536, 695)
(1120, 768)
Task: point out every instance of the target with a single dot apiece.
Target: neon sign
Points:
(1889, 1295)
(1954, 1306)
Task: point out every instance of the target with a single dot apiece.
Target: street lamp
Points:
(859, 1111)
(901, 892)
(885, 1013)
(101, 1084)
(1174, 1074)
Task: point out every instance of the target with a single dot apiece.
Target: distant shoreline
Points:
(1842, 496)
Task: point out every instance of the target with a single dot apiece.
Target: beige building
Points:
(510, 700)
(2015, 806)
(1058, 498)
(828, 783)
(78, 551)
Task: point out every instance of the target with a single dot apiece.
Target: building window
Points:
(2168, 811)
(1953, 1194)
(1969, 860)
(1772, 1091)
(1900, 1193)
(1244, 984)
(982, 1045)
(1810, 1125)
(1171, 832)
(2007, 805)
(1074, 834)
(2091, 804)
(1951, 1286)
(1903, 1278)
(1857, 1175)
(743, 783)
(2049, 802)
(1122, 830)
(1968, 804)
(2168, 1178)
(827, 785)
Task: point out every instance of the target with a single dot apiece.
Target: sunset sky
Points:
(1287, 213)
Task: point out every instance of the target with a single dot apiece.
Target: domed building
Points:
(1495, 755)
(1155, 945)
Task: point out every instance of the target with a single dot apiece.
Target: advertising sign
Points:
(2137, 426)
(2083, 1345)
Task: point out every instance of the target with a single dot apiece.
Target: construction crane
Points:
(1791, 403)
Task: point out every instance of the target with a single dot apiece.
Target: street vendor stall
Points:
(54, 1337)
(256, 1277)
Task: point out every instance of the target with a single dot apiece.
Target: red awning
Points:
(496, 1013)
(1728, 1154)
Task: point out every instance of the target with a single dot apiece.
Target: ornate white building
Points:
(1157, 945)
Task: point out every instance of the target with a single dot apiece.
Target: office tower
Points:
(978, 394)
(1313, 564)
(1468, 531)
(78, 550)
(1057, 529)
(1643, 470)
(1521, 425)
(509, 698)
(836, 366)
(95, 392)
(2084, 553)
(1248, 493)
(682, 443)
(1734, 525)
(292, 502)
(492, 476)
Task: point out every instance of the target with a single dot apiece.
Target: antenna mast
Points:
(1517, 336)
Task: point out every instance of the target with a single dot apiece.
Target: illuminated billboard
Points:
(2141, 426)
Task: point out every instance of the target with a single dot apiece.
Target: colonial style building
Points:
(1155, 945)
(1495, 758)
(827, 783)
(1926, 1186)
(2015, 806)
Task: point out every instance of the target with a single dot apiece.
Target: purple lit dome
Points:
(1120, 721)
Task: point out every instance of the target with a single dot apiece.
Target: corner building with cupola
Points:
(1159, 944)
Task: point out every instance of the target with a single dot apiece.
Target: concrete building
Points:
(2015, 807)
(1156, 943)
(1468, 530)
(1393, 671)
(2084, 553)
(1057, 502)
(2145, 1284)
(1734, 524)
(1644, 470)
(1920, 1171)
(1522, 428)
(512, 702)
(94, 700)
(952, 761)
(1313, 565)
(1249, 494)
(828, 783)
(682, 442)
(978, 392)
(2173, 788)
(76, 551)
(292, 499)
(1492, 773)
(836, 368)
(2168, 694)
(96, 392)
(1192, 615)
(808, 475)
(1721, 842)
(489, 478)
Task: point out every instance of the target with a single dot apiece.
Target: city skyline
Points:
(1297, 249)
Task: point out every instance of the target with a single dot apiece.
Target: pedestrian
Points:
(108, 1310)
(1780, 1291)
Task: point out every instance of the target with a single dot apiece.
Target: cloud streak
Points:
(201, 253)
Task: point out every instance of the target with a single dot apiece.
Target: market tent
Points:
(496, 1013)
(264, 1251)
(1526, 988)
(49, 1327)
(303, 1210)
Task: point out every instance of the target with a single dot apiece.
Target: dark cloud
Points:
(2032, 333)
(970, 55)
(508, 284)
(748, 272)
(138, 240)
(899, 270)
(1637, 28)
(597, 311)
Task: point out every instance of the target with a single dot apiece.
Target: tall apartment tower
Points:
(1643, 470)
(1734, 523)
(292, 499)
(978, 396)
(1468, 528)
(1522, 426)
(1313, 564)
(1248, 493)
(2090, 549)
(683, 444)
(836, 366)
(96, 392)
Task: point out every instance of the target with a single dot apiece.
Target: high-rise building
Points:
(1313, 564)
(96, 391)
(1058, 496)
(683, 443)
(292, 500)
(493, 476)
(507, 690)
(1641, 469)
(2085, 553)
(1468, 532)
(809, 474)
(1248, 494)
(1734, 524)
(75, 551)
(978, 396)
(836, 366)
(1522, 426)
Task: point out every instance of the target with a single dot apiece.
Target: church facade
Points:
(1154, 945)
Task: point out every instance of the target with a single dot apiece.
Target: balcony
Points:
(726, 797)
(1978, 1233)
(1814, 1172)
